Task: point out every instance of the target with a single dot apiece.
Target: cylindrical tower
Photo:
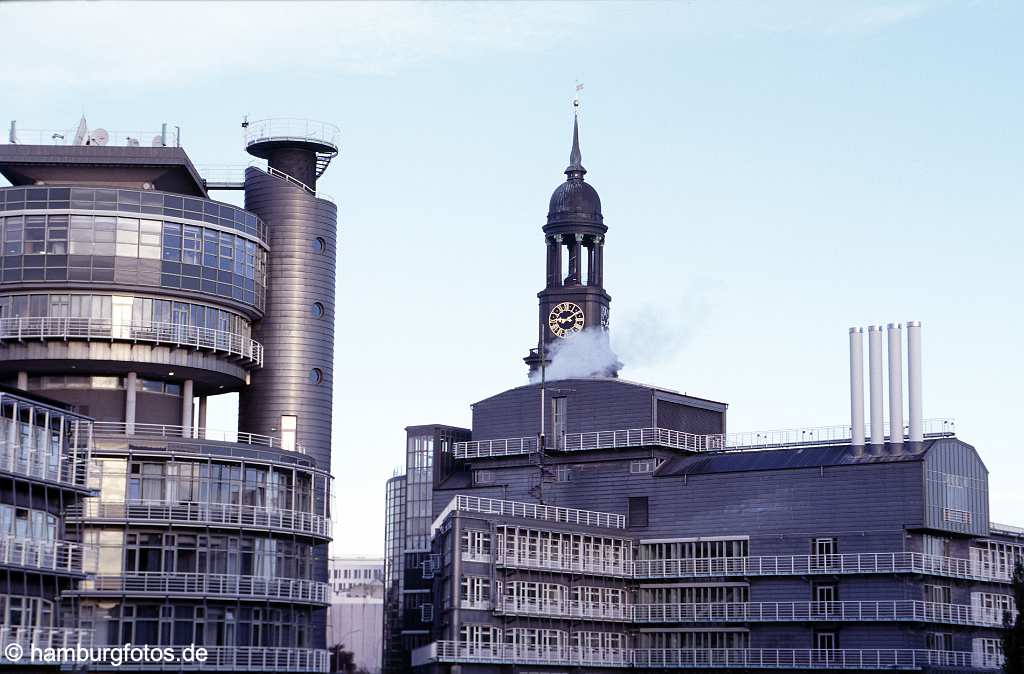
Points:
(297, 329)
(126, 293)
(291, 395)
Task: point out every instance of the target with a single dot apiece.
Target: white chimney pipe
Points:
(875, 383)
(914, 380)
(895, 383)
(857, 386)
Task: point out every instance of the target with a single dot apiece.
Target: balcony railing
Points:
(209, 584)
(55, 556)
(208, 514)
(672, 439)
(826, 435)
(236, 659)
(689, 658)
(290, 128)
(192, 336)
(535, 511)
(172, 432)
(42, 638)
(40, 465)
(567, 563)
(569, 609)
(798, 658)
(801, 565)
(812, 611)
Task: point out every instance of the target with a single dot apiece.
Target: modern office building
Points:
(355, 618)
(594, 524)
(128, 298)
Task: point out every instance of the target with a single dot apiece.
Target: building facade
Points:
(128, 297)
(594, 524)
(356, 616)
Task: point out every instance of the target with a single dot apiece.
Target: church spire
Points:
(575, 169)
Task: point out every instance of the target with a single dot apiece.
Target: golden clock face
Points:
(565, 319)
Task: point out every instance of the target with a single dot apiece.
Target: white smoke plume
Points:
(583, 354)
(650, 336)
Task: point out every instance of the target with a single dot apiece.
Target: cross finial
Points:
(576, 100)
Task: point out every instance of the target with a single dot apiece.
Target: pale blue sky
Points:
(771, 172)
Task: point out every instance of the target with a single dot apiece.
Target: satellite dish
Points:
(98, 137)
(158, 141)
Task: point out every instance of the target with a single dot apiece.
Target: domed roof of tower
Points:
(575, 200)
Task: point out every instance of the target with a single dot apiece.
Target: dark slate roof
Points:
(790, 457)
(575, 200)
(660, 391)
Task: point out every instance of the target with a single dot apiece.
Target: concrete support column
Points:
(23, 380)
(131, 385)
(202, 416)
(186, 409)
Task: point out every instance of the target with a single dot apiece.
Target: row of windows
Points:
(703, 549)
(20, 611)
(129, 250)
(122, 310)
(132, 201)
(24, 523)
(357, 574)
(100, 383)
(200, 482)
(157, 552)
(530, 637)
(181, 624)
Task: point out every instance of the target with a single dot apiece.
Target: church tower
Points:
(573, 299)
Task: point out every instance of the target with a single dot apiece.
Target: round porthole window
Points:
(319, 245)
(317, 310)
(316, 375)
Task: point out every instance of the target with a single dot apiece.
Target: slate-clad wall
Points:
(295, 341)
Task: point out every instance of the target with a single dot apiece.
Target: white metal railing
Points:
(475, 604)
(618, 612)
(672, 439)
(483, 557)
(270, 170)
(42, 638)
(504, 447)
(825, 435)
(168, 137)
(1005, 529)
(174, 432)
(570, 563)
(57, 555)
(535, 511)
(234, 659)
(194, 336)
(42, 466)
(811, 611)
(214, 584)
(291, 128)
(856, 563)
(798, 658)
(695, 658)
(230, 514)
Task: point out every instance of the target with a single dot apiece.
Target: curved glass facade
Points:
(221, 255)
(126, 309)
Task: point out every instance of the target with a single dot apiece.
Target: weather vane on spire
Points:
(576, 100)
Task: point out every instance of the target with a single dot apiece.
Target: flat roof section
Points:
(165, 168)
